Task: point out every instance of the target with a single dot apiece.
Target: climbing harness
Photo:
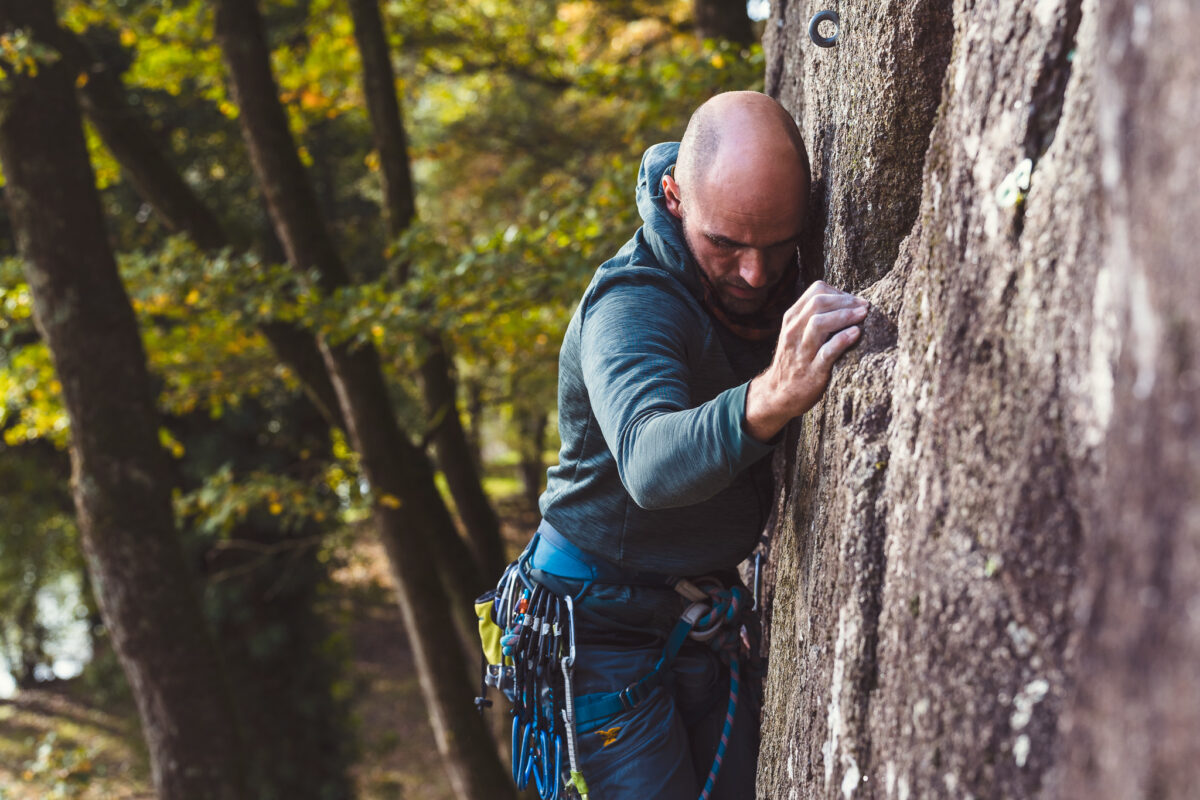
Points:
(528, 635)
(814, 26)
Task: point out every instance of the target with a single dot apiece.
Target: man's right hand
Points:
(816, 330)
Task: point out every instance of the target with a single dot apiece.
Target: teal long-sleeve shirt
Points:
(656, 471)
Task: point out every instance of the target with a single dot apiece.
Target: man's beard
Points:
(734, 314)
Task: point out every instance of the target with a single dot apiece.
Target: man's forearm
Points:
(679, 458)
(762, 419)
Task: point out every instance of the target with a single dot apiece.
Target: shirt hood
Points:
(661, 229)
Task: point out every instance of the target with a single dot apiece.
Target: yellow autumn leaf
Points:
(192, 297)
(310, 99)
(173, 445)
(81, 80)
(390, 500)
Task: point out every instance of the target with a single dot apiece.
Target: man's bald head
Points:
(740, 190)
(745, 132)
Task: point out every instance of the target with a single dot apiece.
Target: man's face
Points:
(742, 274)
(744, 241)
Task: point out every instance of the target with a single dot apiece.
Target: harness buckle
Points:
(626, 697)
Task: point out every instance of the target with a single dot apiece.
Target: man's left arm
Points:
(635, 369)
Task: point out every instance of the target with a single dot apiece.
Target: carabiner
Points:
(568, 713)
(758, 559)
(541, 772)
(558, 776)
(696, 612)
(516, 750)
(526, 758)
(523, 560)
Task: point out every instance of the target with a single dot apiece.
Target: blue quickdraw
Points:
(536, 625)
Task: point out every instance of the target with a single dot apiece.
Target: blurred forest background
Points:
(449, 238)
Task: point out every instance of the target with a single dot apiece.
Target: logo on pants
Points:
(609, 735)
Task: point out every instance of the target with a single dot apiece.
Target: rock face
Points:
(986, 557)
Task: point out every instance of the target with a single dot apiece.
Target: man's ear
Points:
(671, 195)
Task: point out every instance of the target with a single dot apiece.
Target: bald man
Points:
(687, 356)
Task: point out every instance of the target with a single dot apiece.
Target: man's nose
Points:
(752, 268)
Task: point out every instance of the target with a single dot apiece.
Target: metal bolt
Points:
(815, 34)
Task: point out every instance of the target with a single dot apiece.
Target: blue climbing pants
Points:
(663, 748)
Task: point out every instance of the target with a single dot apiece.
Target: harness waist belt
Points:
(556, 555)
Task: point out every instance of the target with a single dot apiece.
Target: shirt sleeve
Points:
(634, 356)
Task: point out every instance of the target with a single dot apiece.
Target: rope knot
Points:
(722, 619)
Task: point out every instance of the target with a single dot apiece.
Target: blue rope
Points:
(727, 642)
(730, 713)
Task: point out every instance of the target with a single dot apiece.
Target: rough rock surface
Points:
(986, 558)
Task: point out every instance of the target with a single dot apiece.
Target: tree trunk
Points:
(976, 560)
(457, 460)
(129, 138)
(126, 132)
(409, 513)
(387, 123)
(453, 452)
(533, 444)
(530, 421)
(722, 19)
(474, 409)
(31, 639)
(125, 517)
(279, 594)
